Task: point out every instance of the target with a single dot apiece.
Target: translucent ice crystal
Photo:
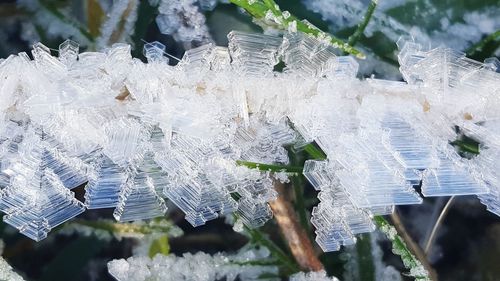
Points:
(312, 276)
(254, 54)
(154, 51)
(199, 267)
(184, 21)
(68, 52)
(138, 134)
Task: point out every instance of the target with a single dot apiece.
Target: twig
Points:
(438, 223)
(353, 39)
(296, 237)
(414, 248)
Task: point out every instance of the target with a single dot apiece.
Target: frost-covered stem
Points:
(122, 228)
(120, 27)
(495, 36)
(56, 13)
(270, 167)
(365, 258)
(314, 152)
(353, 39)
(259, 8)
(400, 247)
(276, 251)
(438, 223)
(296, 237)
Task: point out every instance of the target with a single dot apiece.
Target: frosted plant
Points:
(436, 31)
(119, 24)
(184, 20)
(199, 266)
(312, 276)
(208, 133)
(7, 273)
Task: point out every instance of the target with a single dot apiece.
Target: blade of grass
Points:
(315, 152)
(353, 39)
(270, 167)
(400, 248)
(479, 46)
(56, 13)
(259, 238)
(259, 9)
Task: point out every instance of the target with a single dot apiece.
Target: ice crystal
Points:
(199, 266)
(312, 276)
(138, 134)
(184, 20)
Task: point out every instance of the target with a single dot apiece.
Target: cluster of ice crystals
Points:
(312, 276)
(199, 267)
(7, 273)
(184, 20)
(141, 133)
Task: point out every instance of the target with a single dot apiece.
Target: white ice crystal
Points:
(141, 133)
(184, 20)
(312, 276)
(196, 267)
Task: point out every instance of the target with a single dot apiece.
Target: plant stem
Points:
(399, 247)
(364, 256)
(56, 13)
(353, 39)
(270, 167)
(315, 152)
(296, 237)
(478, 47)
(414, 247)
(298, 183)
(260, 8)
(438, 223)
(259, 238)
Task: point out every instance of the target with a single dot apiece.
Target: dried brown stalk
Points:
(296, 237)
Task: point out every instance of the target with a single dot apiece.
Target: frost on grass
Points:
(138, 134)
(184, 20)
(196, 267)
(312, 276)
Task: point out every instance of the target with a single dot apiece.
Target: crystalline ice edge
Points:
(141, 133)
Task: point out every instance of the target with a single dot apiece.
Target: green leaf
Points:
(159, 246)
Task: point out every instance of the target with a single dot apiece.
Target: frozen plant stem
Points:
(56, 13)
(261, 9)
(414, 247)
(400, 247)
(296, 237)
(478, 47)
(439, 222)
(270, 167)
(353, 39)
(258, 238)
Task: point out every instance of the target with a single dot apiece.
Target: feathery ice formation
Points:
(138, 134)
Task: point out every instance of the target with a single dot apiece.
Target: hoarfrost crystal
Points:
(138, 134)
